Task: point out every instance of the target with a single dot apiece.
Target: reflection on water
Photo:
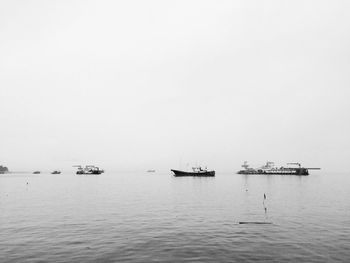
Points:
(142, 217)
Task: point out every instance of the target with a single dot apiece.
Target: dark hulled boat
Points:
(197, 171)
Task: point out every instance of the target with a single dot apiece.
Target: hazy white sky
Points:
(154, 84)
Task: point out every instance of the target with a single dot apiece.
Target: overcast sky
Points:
(133, 85)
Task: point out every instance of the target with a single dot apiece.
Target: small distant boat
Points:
(3, 169)
(36, 172)
(89, 169)
(56, 172)
(196, 171)
(151, 171)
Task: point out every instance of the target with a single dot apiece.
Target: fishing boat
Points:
(196, 171)
(56, 172)
(88, 169)
(270, 168)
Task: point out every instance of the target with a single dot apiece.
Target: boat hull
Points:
(92, 172)
(178, 173)
(291, 171)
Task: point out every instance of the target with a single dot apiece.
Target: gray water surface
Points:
(155, 217)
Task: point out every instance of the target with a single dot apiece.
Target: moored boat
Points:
(89, 169)
(196, 171)
(270, 168)
(3, 169)
(36, 172)
(56, 172)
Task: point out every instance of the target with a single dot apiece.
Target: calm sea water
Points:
(155, 217)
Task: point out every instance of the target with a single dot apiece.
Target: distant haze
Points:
(134, 85)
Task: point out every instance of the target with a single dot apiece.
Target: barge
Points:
(270, 168)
